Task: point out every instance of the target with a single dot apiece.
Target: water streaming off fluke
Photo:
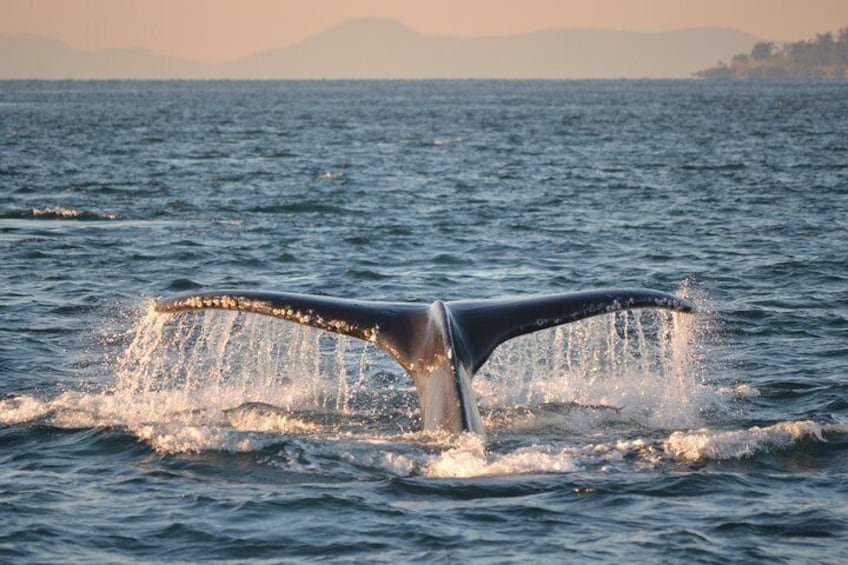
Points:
(636, 366)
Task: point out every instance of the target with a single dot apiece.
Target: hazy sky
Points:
(222, 30)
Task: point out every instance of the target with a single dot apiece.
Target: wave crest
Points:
(718, 445)
(61, 213)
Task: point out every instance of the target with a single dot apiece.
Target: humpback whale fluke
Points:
(441, 345)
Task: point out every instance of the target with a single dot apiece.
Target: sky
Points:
(213, 31)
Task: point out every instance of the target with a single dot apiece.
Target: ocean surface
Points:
(132, 436)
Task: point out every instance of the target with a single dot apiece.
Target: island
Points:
(825, 57)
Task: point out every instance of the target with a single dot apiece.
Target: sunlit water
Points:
(130, 435)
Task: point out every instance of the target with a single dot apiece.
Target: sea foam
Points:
(706, 444)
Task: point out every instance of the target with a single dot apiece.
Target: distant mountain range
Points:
(380, 48)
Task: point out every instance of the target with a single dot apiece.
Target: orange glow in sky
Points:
(222, 30)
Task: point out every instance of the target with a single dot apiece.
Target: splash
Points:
(641, 366)
(217, 361)
(229, 381)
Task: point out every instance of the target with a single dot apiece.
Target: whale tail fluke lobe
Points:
(485, 324)
(441, 345)
(394, 326)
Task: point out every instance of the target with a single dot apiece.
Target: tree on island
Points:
(762, 51)
(825, 57)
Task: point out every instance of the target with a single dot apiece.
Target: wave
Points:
(447, 140)
(60, 213)
(301, 207)
(718, 445)
(332, 176)
(256, 427)
(470, 458)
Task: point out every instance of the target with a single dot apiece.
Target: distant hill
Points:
(379, 48)
(825, 57)
(42, 58)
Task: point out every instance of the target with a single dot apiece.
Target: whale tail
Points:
(441, 345)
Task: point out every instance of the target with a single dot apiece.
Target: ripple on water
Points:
(128, 445)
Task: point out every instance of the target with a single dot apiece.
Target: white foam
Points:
(741, 391)
(61, 212)
(706, 444)
(250, 429)
(398, 464)
(469, 458)
(57, 211)
(331, 175)
(192, 439)
(278, 422)
(22, 409)
(462, 462)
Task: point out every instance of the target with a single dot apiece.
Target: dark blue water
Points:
(127, 435)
